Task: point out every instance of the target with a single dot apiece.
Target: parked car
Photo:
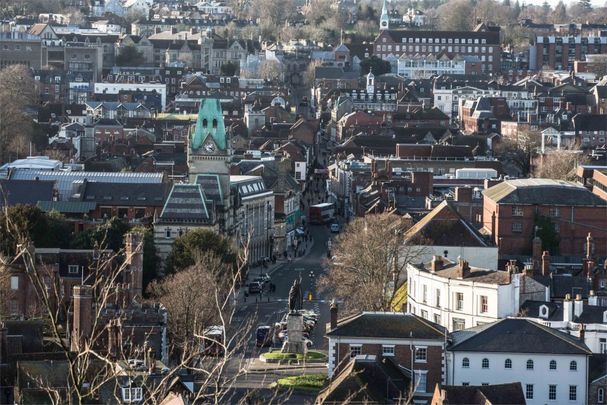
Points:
(335, 228)
(212, 338)
(263, 336)
(255, 287)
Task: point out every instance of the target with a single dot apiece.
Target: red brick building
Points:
(510, 210)
(594, 178)
(560, 52)
(483, 42)
(409, 341)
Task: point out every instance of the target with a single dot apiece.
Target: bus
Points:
(322, 213)
(212, 341)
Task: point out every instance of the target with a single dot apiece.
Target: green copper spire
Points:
(209, 122)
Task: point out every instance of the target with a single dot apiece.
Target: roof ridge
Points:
(561, 335)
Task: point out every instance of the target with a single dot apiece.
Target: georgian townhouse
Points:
(551, 366)
(458, 296)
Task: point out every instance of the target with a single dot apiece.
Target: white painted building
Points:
(551, 366)
(573, 317)
(458, 296)
(426, 66)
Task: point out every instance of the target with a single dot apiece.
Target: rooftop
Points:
(395, 325)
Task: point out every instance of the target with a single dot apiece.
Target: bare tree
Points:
(560, 164)
(16, 94)
(369, 259)
(98, 360)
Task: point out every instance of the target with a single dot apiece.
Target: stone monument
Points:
(295, 342)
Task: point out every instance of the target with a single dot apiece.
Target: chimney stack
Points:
(333, 309)
(134, 258)
(463, 268)
(436, 264)
(578, 305)
(463, 194)
(173, 30)
(536, 253)
(3, 343)
(83, 315)
(545, 263)
(589, 244)
(593, 300)
(567, 309)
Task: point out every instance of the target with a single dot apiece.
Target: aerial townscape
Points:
(316, 202)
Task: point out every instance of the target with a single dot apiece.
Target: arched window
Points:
(508, 363)
(573, 365)
(529, 364)
(485, 363)
(205, 123)
(552, 364)
(214, 123)
(600, 395)
(465, 362)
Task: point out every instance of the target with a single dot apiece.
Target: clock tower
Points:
(209, 159)
(384, 19)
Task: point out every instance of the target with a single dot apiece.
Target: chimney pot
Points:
(334, 311)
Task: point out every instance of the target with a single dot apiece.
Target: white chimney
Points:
(567, 309)
(593, 300)
(578, 305)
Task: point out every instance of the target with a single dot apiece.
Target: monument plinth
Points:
(295, 342)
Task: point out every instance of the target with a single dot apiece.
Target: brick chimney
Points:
(83, 315)
(463, 194)
(333, 310)
(134, 258)
(545, 263)
(436, 264)
(463, 268)
(3, 343)
(536, 254)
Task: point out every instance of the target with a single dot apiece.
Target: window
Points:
(421, 354)
(517, 211)
(573, 366)
(552, 392)
(424, 314)
(420, 381)
(388, 350)
(508, 363)
(603, 345)
(132, 394)
(459, 324)
(485, 363)
(424, 293)
(14, 283)
(573, 392)
(552, 364)
(529, 364)
(554, 212)
(465, 362)
(600, 396)
(437, 298)
(355, 350)
(167, 233)
(517, 227)
(484, 304)
(459, 301)
(72, 269)
(529, 391)
(465, 384)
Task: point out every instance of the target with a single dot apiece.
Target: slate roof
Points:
(531, 309)
(478, 275)
(15, 192)
(396, 325)
(125, 194)
(497, 394)
(186, 204)
(67, 207)
(211, 187)
(589, 122)
(514, 335)
(443, 226)
(566, 283)
(542, 192)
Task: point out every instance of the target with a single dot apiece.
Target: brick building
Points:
(411, 342)
(483, 43)
(510, 210)
(594, 178)
(560, 51)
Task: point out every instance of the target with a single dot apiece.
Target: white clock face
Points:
(209, 147)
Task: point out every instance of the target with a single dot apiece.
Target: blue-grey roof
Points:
(211, 187)
(25, 192)
(67, 207)
(66, 181)
(186, 204)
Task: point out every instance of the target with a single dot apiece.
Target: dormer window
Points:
(132, 394)
(544, 311)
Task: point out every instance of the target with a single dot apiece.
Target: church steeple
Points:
(384, 20)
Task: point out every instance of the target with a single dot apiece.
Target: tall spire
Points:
(384, 20)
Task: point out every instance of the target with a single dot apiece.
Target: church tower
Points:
(384, 19)
(209, 159)
(370, 82)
